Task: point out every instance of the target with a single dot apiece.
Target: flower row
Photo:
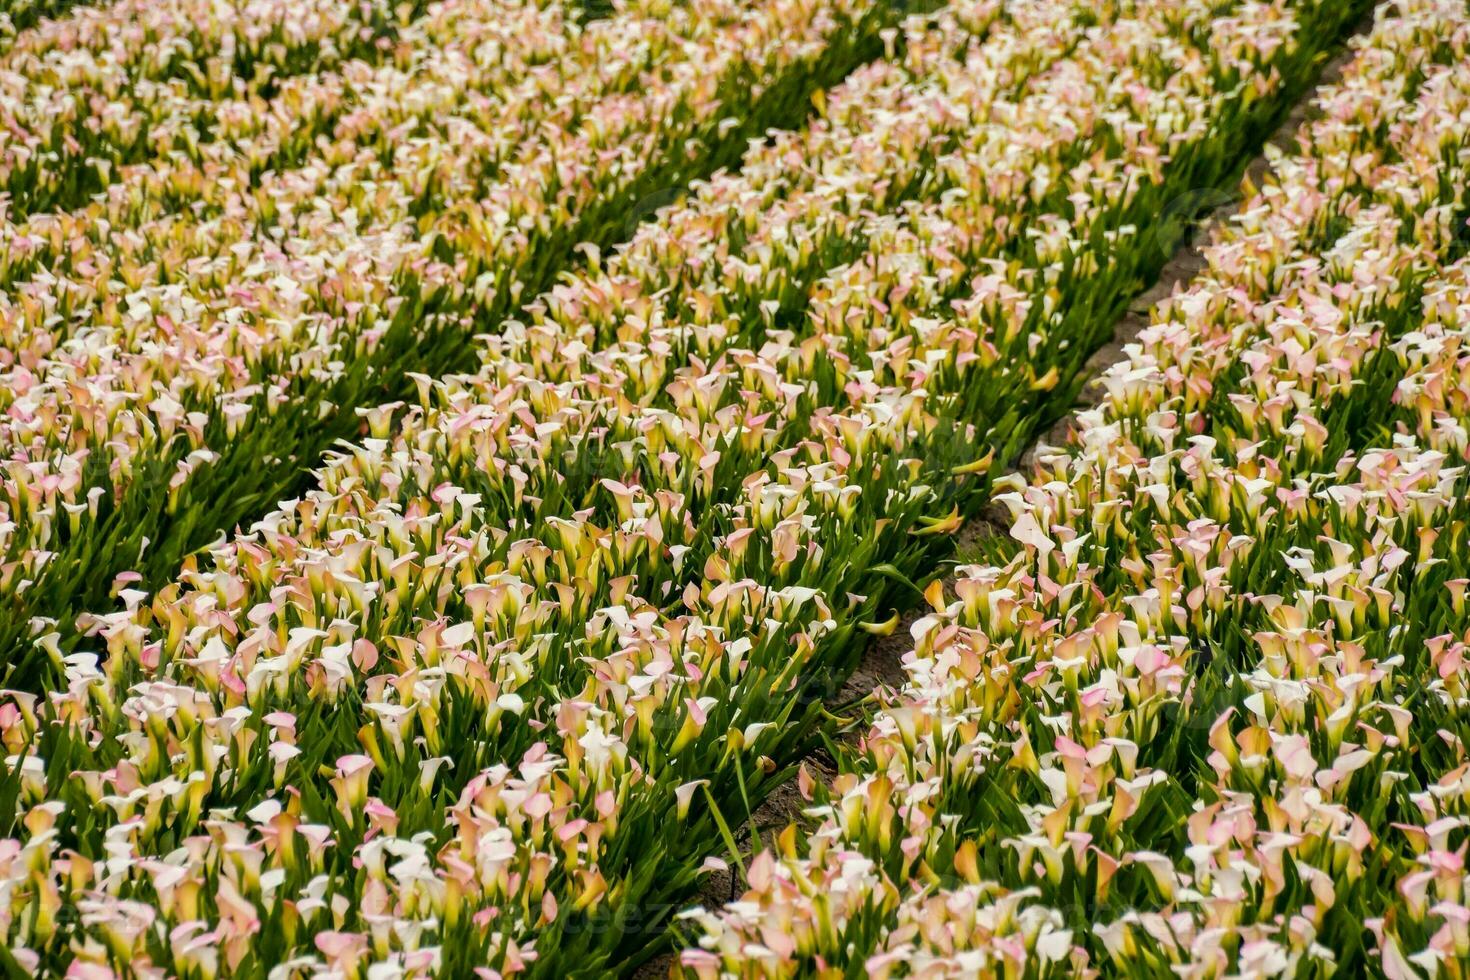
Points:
(111, 85)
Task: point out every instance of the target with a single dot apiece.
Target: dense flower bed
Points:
(179, 352)
(1205, 721)
(487, 696)
(113, 85)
